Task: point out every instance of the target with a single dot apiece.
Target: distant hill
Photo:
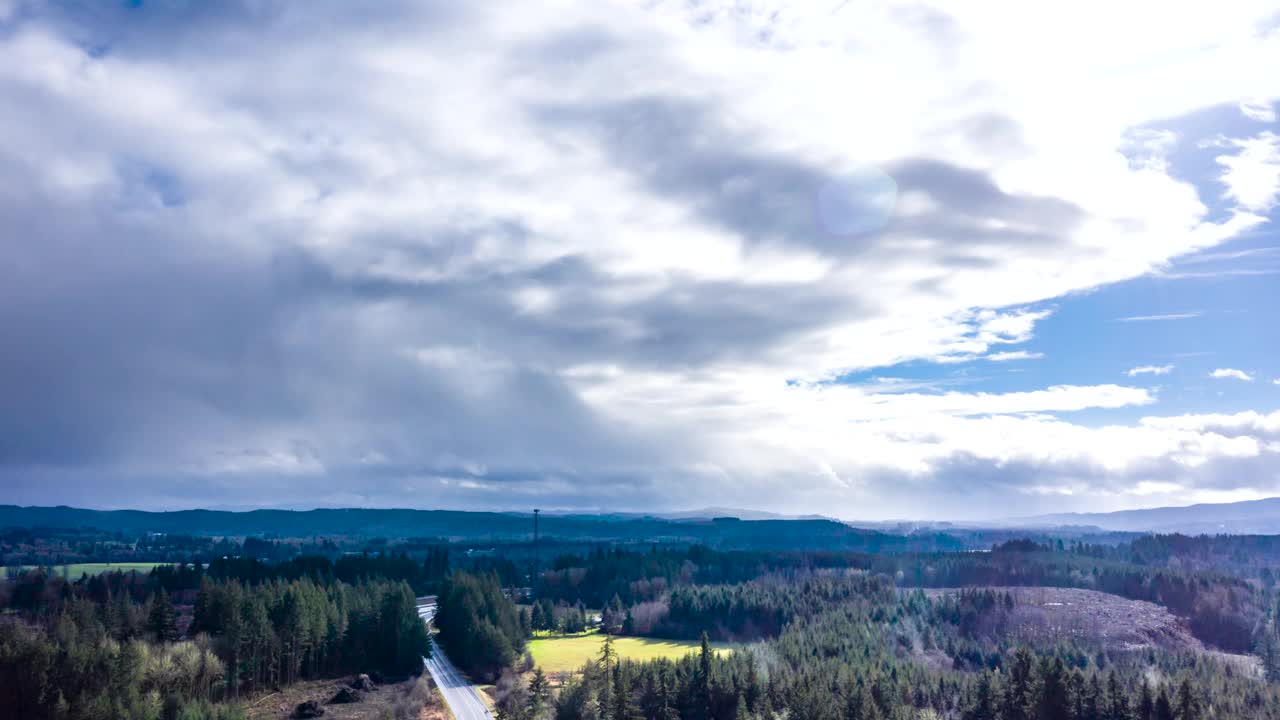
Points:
(1251, 517)
(710, 513)
(722, 532)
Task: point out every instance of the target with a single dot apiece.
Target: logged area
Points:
(413, 699)
(1056, 615)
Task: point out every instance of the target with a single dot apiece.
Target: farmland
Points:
(568, 653)
(74, 571)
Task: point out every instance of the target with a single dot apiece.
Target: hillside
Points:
(481, 526)
(1260, 517)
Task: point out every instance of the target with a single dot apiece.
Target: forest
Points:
(118, 646)
(854, 648)
(833, 634)
(859, 628)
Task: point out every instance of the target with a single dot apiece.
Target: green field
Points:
(74, 571)
(567, 653)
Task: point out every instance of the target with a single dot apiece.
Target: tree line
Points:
(117, 646)
(481, 629)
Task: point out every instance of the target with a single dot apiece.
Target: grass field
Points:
(76, 570)
(567, 653)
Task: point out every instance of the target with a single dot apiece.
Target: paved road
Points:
(459, 695)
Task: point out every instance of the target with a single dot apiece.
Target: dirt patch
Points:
(400, 700)
(1048, 615)
(1249, 665)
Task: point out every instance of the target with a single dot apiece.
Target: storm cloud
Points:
(450, 255)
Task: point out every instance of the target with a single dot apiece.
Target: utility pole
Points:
(533, 576)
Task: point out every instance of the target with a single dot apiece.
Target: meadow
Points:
(568, 653)
(75, 570)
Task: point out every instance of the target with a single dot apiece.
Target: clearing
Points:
(75, 570)
(568, 653)
(1044, 615)
(404, 699)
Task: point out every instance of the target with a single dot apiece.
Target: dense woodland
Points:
(828, 634)
(481, 629)
(118, 646)
(854, 648)
(847, 626)
(1222, 610)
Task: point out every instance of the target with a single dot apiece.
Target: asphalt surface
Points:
(461, 697)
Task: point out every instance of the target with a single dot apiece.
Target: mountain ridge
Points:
(1260, 517)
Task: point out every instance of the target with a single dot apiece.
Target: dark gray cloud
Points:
(681, 148)
(283, 254)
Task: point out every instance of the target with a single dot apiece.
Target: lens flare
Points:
(857, 203)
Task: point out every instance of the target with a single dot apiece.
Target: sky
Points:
(866, 259)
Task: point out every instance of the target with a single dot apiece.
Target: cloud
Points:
(1160, 318)
(444, 255)
(1261, 110)
(1211, 257)
(1150, 370)
(1014, 355)
(1231, 373)
(1252, 175)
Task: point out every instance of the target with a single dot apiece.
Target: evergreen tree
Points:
(1018, 691)
(1117, 704)
(1164, 709)
(607, 654)
(1188, 706)
(1146, 703)
(1054, 702)
(983, 706)
(703, 701)
(1093, 702)
(623, 706)
(162, 620)
(539, 694)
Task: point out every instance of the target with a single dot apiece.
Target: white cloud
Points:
(1212, 257)
(579, 241)
(1014, 355)
(1150, 370)
(1160, 318)
(1252, 175)
(1232, 374)
(1260, 110)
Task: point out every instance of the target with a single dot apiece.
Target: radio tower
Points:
(533, 576)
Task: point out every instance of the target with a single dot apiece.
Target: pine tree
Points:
(536, 618)
(607, 653)
(539, 694)
(162, 621)
(1117, 704)
(703, 711)
(1091, 707)
(1188, 704)
(1164, 709)
(1017, 701)
(983, 705)
(1146, 703)
(1054, 702)
(623, 706)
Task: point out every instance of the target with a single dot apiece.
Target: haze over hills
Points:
(1246, 517)
(724, 532)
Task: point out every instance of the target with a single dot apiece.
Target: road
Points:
(461, 697)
